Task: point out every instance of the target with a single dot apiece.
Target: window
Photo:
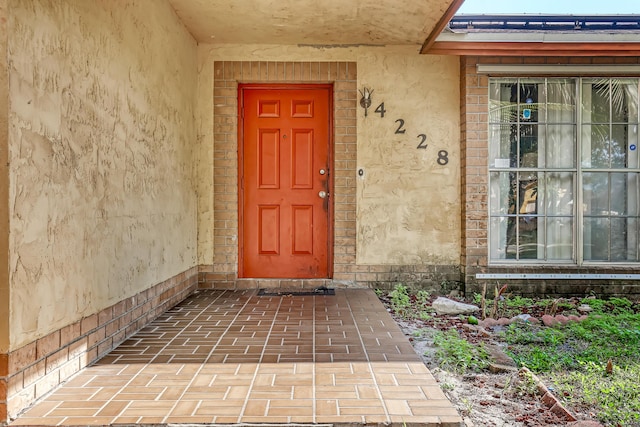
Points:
(564, 177)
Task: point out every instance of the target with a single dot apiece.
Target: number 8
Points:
(443, 157)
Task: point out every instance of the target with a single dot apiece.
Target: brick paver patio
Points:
(235, 357)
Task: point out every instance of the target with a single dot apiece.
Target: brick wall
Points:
(475, 189)
(28, 373)
(227, 75)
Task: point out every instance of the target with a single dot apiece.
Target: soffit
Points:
(312, 22)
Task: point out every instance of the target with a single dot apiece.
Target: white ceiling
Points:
(313, 22)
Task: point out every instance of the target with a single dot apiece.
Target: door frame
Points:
(330, 154)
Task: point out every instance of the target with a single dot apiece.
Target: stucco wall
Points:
(102, 200)
(4, 186)
(408, 205)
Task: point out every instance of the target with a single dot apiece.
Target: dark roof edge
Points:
(533, 22)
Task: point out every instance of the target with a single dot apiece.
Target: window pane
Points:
(596, 193)
(499, 230)
(619, 239)
(528, 193)
(633, 194)
(502, 146)
(619, 197)
(595, 146)
(618, 145)
(632, 153)
(528, 136)
(595, 101)
(501, 194)
(631, 91)
(560, 239)
(559, 193)
(503, 100)
(528, 245)
(559, 104)
(596, 239)
(624, 101)
(633, 250)
(559, 142)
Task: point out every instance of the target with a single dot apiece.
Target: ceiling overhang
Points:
(326, 23)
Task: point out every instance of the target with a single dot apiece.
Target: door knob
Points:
(323, 194)
(322, 171)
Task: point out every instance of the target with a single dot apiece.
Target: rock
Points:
(522, 317)
(548, 320)
(444, 305)
(585, 424)
(499, 357)
(498, 368)
(503, 321)
(454, 293)
(585, 308)
(489, 322)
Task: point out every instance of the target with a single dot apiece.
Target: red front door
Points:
(284, 181)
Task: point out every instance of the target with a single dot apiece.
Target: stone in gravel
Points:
(549, 320)
(498, 368)
(488, 322)
(522, 317)
(444, 305)
(585, 424)
(585, 308)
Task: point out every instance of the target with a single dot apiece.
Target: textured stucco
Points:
(4, 184)
(102, 200)
(408, 206)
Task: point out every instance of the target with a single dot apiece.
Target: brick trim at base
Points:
(28, 373)
(438, 278)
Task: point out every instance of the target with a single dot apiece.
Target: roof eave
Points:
(440, 26)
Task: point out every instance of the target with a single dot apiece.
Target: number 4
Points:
(380, 110)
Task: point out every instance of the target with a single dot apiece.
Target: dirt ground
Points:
(483, 399)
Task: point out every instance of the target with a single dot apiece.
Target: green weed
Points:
(574, 358)
(609, 306)
(457, 354)
(400, 300)
(615, 398)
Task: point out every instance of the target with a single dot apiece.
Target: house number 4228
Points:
(443, 155)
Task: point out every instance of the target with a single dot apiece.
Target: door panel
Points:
(284, 219)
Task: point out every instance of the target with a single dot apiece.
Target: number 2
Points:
(423, 142)
(401, 128)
